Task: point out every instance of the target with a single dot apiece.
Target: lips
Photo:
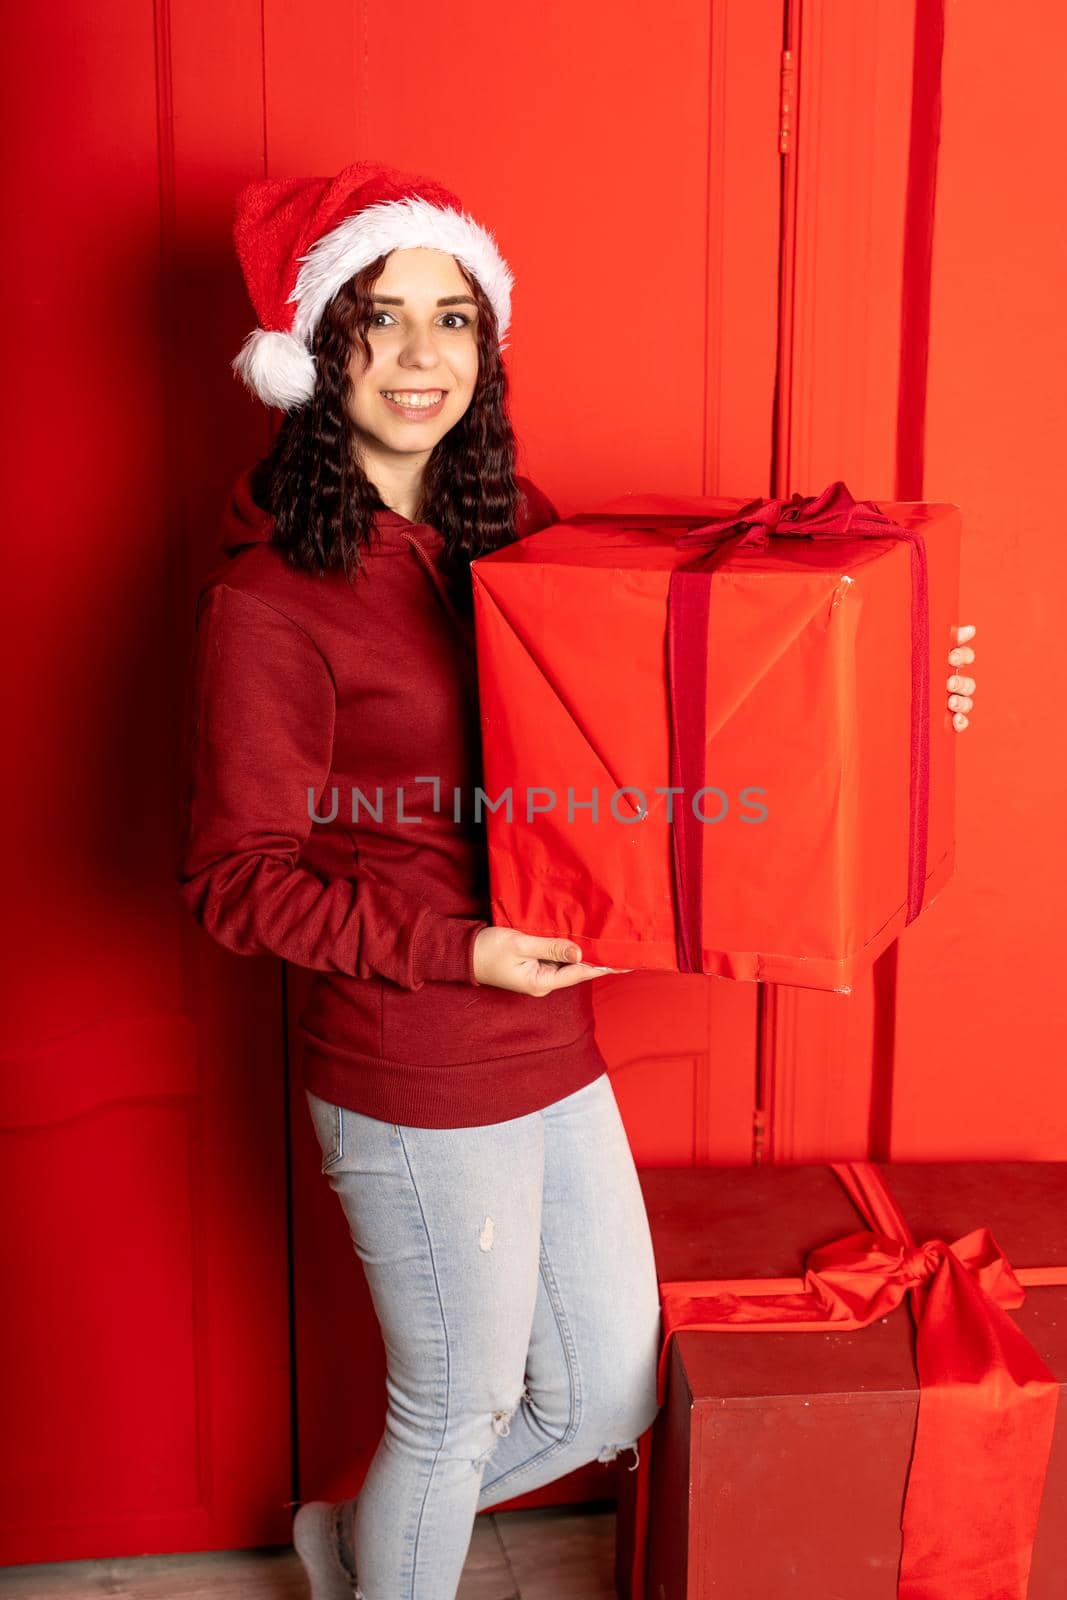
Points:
(418, 411)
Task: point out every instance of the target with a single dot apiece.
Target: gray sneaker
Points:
(321, 1540)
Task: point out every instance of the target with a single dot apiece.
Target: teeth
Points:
(405, 397)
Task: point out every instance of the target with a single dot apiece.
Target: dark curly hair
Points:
(323, 502)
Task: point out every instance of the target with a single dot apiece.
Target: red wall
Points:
(698, 312)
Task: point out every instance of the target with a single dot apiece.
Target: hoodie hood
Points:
(246, 523)
(243, 521)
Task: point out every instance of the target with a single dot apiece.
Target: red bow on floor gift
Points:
(987, 1401)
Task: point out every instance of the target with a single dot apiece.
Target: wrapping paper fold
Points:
(987, 1401)
(750, 690)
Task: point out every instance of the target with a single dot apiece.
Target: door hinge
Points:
(759, 1135)
(787, 96)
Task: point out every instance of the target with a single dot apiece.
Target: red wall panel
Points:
(693, 312)
(142, 1123)
(982, 1014)
(924, 343)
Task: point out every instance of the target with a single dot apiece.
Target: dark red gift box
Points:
(788, 1461)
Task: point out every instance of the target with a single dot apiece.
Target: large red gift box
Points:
(790, 664)
(860, 1452)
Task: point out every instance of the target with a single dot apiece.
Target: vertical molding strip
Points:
(856, 260)
(919, 247)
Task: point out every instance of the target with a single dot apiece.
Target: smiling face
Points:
(424, 367)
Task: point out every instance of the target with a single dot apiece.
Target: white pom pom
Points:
(277, 367)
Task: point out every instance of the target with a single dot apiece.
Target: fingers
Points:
(963, 655)
(541, 965)
(551, 949)
(961, 687)
(961, 699)
(563, 977)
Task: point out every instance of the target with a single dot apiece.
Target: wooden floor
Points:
(550, 1553)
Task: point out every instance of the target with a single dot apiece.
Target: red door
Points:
(633, 177)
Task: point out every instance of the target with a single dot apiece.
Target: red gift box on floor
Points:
(915, 1457)
(782, 672)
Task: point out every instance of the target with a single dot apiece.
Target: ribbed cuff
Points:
(443, 948)
(475, 931)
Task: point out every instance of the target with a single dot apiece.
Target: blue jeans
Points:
(512, 1273)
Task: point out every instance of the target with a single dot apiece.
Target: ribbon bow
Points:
(833, 514)
(987, 1401)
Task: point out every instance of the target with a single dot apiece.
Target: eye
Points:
(465, 321)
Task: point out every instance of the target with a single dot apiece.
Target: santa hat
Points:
(300, 239)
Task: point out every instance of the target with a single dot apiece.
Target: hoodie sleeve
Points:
(261, 736)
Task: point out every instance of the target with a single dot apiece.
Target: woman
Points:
(465, 1114)
(472, 1138)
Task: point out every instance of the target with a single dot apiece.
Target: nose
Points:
(419, 349)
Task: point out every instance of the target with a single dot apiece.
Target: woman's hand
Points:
(961, 701)
(504, 958)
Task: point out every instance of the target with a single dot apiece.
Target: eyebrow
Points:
(449, 300)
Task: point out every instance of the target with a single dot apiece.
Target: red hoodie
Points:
(304, 689)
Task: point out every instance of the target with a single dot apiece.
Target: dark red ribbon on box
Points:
(833, 514)
(987, 1401)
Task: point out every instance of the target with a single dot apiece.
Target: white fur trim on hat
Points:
(398, 225)
(277, 368)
